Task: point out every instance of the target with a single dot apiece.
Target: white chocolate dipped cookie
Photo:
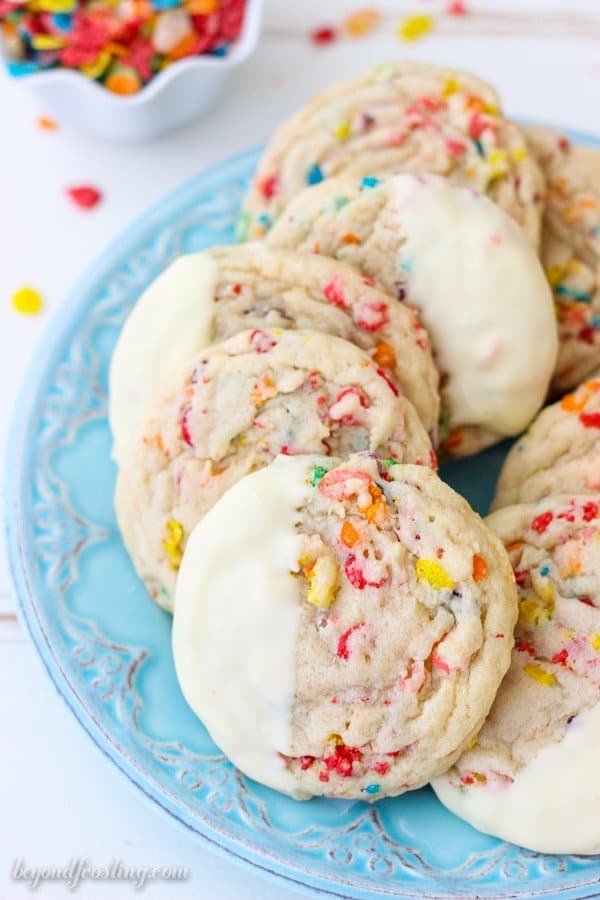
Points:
(356, 643)
(468, 269)
(532, 776)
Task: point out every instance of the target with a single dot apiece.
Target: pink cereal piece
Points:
(372, 315)
(347, 406)
(355, 573)
(185, 429)
(261, 342)
(333, 485)
(333, 291)
(454, 147)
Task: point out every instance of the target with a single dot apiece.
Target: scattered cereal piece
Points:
(45, 123)
(414, 27)
(362, 22)
(85, 196)
(27, 301)
(323, 35)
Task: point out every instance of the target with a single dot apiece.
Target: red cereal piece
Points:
(541, 522)
(454, 147)
(269, 186)
(342, 760)
(382, 768)
(389, 383)
(333, 291)
(343, 651)
(560, 658)
(590, 419)
(185, 431)
(457, 8)
(590, 511)
(323, 35)
(356, 576)
(306, 762)
(84, 196)
(373, 316)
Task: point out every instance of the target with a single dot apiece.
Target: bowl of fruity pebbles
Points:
(126, 70)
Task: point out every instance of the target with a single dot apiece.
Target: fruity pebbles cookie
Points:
(231, 410)
(356, 645)
(560, 452)
(532, 776)
(467, 268)
(206, 297)
(400, 117)
(571, 249)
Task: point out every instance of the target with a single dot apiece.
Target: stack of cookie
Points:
(343, 620)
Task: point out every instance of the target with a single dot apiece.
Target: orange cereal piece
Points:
(384, 356)
(480, 567)
(349, 535)
(362, 22)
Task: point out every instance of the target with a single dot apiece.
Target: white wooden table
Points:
(59, 798)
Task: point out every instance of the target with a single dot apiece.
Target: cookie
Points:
(399, 117)
(467, 268)
(206, 297)
(560, 452)
(356, 644)
(532, 776)
(231, 410)
(571, 249)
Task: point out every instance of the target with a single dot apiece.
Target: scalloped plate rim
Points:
(17, 444)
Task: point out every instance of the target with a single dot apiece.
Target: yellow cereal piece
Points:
(322, 576)
(555, 274)
(334, 740)
(595, 641)
(99, 66)
(519, 154)
(541, 675)
(431, 571)
(342, 131)
(47, 42)
(497, 164)
(471, 743)
(451, 87)
(479, 777)
(414, 27)
(535, 611)
(28, 301)
(172, 542)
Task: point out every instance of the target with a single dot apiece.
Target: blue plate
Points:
(107, 647)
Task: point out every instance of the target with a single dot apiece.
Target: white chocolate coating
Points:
(484, 299)
(168, 324)
(552, 805)
(250, 714)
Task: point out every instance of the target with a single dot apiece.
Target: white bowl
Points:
(178, 94)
